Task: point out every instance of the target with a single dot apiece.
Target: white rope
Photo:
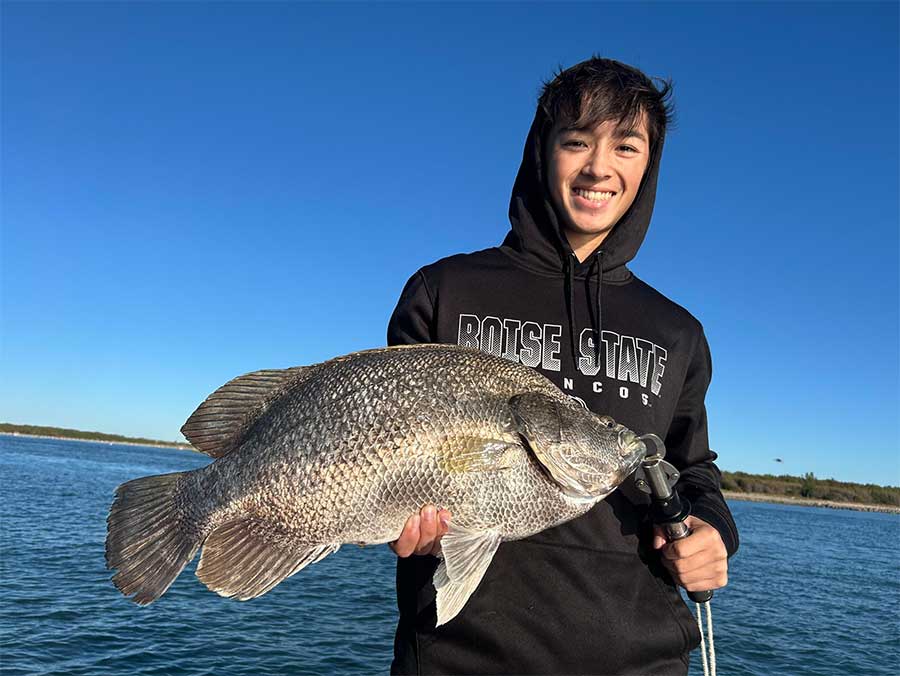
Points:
(702, 641)
(712, 645)
(709, 665)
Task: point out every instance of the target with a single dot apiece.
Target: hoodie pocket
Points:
(670, 595)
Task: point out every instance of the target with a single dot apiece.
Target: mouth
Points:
(592, 198)
(628, 442)
(631, 449)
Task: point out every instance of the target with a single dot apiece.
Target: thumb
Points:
(659, 537)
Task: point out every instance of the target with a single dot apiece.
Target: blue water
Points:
(812, 591)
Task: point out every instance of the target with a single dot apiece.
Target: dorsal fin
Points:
(220, 422)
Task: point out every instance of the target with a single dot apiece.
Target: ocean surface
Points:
(812, 591)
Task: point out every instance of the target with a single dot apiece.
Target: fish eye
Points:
(607, 421)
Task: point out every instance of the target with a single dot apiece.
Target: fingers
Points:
(689, 564)
(698, 562)
(701, 580)
(405, 545)
(443, 527)
(698, 574)
(422, 532)
(428, 528)
(703, 538)
(659, 537)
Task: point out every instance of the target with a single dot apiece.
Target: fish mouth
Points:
(628, 442)
(632, 449)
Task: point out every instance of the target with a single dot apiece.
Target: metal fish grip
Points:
(655, 476)
(669, 510)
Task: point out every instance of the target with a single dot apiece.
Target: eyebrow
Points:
(620, 133)
(628, 133)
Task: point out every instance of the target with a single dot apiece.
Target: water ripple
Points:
(812, 591)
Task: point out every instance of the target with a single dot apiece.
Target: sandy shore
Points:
(809, 502)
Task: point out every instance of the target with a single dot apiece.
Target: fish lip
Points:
(626, 439)
(635, 454)
(639, 451)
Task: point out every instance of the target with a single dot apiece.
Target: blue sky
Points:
(196, 190)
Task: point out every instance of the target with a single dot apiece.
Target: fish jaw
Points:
(586, 455)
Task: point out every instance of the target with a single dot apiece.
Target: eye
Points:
(607, 421)
(574, 144)
(628, 148)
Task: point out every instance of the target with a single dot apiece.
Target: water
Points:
(813, 591)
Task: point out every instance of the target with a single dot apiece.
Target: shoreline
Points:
(729, 495)
(809, 502)
(180, 447)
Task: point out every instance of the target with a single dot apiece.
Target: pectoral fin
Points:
(467, 555)
(469, 454)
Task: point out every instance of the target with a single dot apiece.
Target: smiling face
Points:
(593, 176)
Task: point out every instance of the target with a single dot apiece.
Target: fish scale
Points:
(344, 451)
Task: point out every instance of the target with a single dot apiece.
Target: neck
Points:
(584, 244)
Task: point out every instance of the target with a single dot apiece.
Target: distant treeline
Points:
(40, 431)
(808, 486)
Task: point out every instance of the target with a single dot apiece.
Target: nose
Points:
(598, 165)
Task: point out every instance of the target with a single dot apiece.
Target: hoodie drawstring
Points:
(570, 306)
(571, 261)
(599, 258)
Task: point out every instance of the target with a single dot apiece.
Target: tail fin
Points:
(147, 540)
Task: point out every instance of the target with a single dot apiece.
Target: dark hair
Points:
(598, 90)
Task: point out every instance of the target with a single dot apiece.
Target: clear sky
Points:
(196, 190)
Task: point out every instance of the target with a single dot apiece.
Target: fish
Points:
(309, 458)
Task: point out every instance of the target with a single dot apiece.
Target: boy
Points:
(594, 595)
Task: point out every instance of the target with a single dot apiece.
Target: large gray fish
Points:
(309, 458)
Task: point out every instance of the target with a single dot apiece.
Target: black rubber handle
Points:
(671, 513)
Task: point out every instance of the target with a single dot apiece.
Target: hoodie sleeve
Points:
(411, 321)
(687, 447)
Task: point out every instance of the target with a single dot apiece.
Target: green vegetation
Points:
(808, 486)
(63, 433)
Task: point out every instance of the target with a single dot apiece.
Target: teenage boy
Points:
(595, 595)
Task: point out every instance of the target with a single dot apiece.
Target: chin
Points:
(592, 230)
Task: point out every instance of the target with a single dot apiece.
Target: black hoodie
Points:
(588, 596)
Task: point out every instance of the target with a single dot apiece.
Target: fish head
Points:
(587, 454)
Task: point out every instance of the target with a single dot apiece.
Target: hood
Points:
(536, 240)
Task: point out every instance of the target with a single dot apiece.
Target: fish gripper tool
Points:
(669, 510)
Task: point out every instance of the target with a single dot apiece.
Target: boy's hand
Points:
(422, 533)
(698, 562)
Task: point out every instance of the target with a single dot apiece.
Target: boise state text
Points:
(627, 359)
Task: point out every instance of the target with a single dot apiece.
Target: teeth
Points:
(594, 196)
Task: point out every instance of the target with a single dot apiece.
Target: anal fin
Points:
(245, 558)
(466, 557)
